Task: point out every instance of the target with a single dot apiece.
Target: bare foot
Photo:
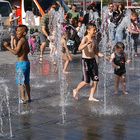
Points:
(22, 101)
(55, 69)
(65, 72)
(74, 94)
(125, 93)
(54, 63)
(93, 99)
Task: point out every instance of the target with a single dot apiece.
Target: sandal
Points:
(40, 59)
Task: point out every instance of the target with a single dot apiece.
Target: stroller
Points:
(73, 39)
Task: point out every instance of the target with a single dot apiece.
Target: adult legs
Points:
(42, 49)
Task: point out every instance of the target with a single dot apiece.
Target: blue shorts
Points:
(22, 72)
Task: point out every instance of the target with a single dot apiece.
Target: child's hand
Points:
(108, 58)
(128, 61)
(6, 44)
(100, 54)
(89, 42)
(49, 38)
(117, 67)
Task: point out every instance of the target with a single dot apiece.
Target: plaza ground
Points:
(115, 117)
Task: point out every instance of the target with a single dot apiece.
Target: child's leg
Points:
(22, 92)
(66, 63)
(27, 86)
(93, 91)
(65, 66)
(53, 55)
(12, 42)
(51, 50)
(123, 81)
(42, 49)
(76, 90)
(117, 79)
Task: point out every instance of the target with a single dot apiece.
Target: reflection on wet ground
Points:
(41, 119)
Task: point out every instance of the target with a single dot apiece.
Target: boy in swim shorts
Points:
(21, 49)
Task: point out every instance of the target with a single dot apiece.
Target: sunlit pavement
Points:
(115, 117)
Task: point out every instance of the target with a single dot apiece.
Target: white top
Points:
(14, 18)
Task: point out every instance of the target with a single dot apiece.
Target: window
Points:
(29, 5)
(5, 9)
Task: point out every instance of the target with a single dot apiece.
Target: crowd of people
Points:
(77, 34)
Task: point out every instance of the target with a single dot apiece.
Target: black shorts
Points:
(42, 38)
(119, 72)
(90, 70)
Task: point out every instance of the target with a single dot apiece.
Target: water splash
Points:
(5, 112)
(57, 26)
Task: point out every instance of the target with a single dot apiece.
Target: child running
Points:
(89, 65)
(22, 65)
(66, 56)
(118, 59)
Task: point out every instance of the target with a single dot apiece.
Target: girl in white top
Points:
(13, 23)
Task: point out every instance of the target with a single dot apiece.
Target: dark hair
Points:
(89, 25)
(24, 26)
(122, 6)
(90, 7)
(54, 3)
(74, 5)
(134, 13)
(110, 3)
(119, 45)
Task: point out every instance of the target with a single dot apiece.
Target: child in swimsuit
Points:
(118, 59)
(23, 64)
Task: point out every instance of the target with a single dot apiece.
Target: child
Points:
(118, 59)
(134, 29)
(32, 44)
(65, 52)
(23, 65)
(89, 65)
(80, 30)
(13, 24)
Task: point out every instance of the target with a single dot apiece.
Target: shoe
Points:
(40, 59)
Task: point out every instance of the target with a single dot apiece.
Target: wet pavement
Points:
(115, 117)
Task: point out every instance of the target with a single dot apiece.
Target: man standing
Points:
(45, 29)
(73, 14)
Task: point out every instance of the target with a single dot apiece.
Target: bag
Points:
(70, 43)
(9, 29)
